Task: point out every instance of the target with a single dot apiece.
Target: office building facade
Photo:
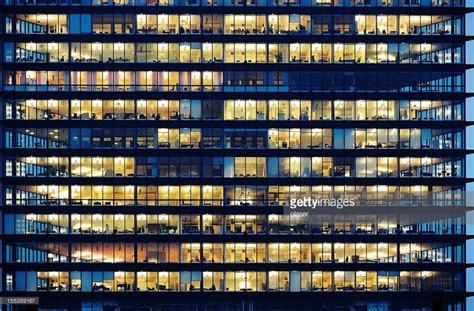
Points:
(151, 148)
